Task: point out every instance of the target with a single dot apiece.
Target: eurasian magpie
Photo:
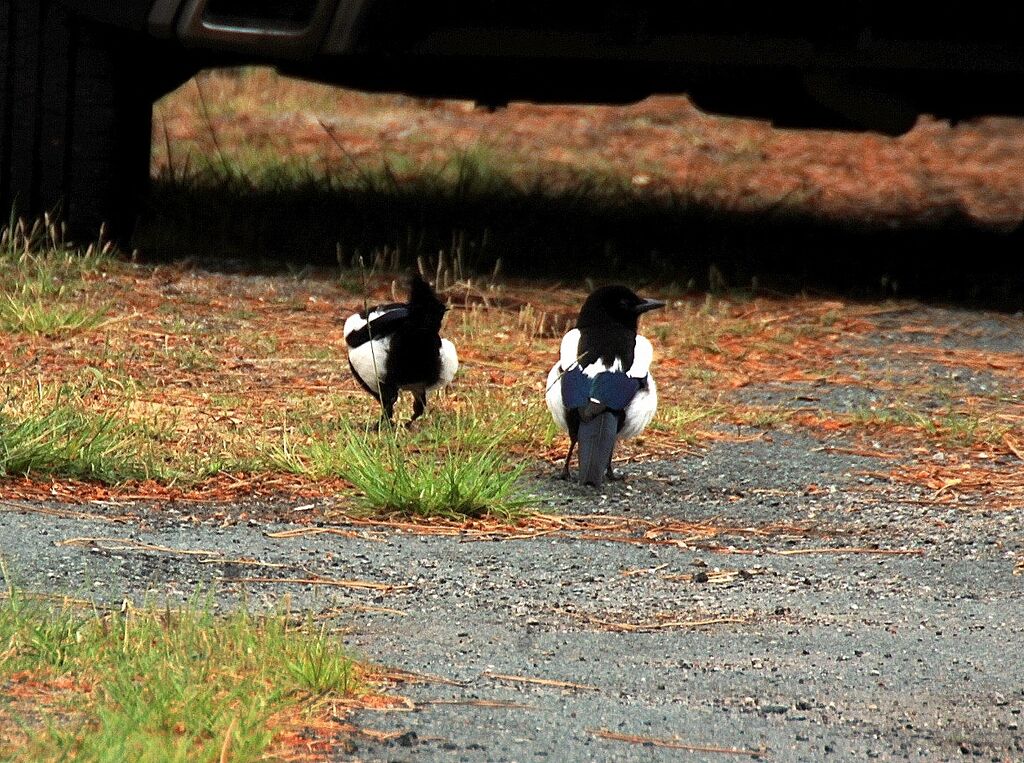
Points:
(397, 347)
(601, 388)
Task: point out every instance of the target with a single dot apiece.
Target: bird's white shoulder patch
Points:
(353, 323)
(367, 359)
(598, 367)
(569, 351)
(567, 359)
(356, 321)
(643, 356)
(449, 364)
(553, 396)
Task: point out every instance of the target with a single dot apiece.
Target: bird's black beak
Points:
(648, 304)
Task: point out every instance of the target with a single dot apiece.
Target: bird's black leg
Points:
(610, 474)
(419, 405)
(565, 469)
(388, 396)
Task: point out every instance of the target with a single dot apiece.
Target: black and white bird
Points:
(398, 347)
(601, 388)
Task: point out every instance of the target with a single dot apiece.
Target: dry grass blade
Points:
(369, 585)
(401, 675)
(336, 611)
(643, 571)
(853, 550)
(626, 627)
(381, 737)
(248, 563)
(64, 601)
(26, 508)
(379, 703)
(226, 747)
(540, 681)
(1013, 446)
(128, 544)
(675, 744)
(306, 532)
(492, 703)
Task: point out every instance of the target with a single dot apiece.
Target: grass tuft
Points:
(955, 428)
(685, 419)
(51, 433)
(43, 282)
(159, 684)
(455, 467)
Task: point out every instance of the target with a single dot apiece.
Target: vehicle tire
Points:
(75, 120)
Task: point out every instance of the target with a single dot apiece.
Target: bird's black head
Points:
(424, 302)
(614, 305)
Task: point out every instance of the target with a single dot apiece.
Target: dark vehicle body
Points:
(78, 77)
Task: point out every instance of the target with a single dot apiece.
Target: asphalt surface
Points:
(807, 656)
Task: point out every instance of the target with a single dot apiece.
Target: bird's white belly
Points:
(368, 361)
(449, 365)
(553, 396)
(640, 410)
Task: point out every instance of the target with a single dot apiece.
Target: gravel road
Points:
(760, 638)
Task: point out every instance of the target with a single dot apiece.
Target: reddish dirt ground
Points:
(662, 145)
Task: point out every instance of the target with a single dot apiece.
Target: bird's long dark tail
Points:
(596, 442)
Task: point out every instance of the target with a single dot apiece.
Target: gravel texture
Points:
(853, 655)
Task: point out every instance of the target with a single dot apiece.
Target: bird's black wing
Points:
(608, 391)
(614, 389)
(379, 327)
(575, 388)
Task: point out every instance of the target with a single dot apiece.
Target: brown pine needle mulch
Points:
(219, 370)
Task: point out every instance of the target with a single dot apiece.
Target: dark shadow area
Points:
(571, 236)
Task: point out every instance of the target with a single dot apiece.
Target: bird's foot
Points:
(382, 423)
(612, 476)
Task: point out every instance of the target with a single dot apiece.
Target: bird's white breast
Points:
(640, 410)
(449, 364)
(369, 359)
(553, 396)
(643, 355)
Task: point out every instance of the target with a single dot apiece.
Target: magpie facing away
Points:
(397, 347)
(601, 388)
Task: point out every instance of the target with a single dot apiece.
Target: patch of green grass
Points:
(954, 427)
(53, 434)
(456, 466)
(193, 358)
(162, 685)
(705, 376)
(763, 418)
(963, 429)
(26, 312)
(682, 419)
(894, 416)
(43, 282)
